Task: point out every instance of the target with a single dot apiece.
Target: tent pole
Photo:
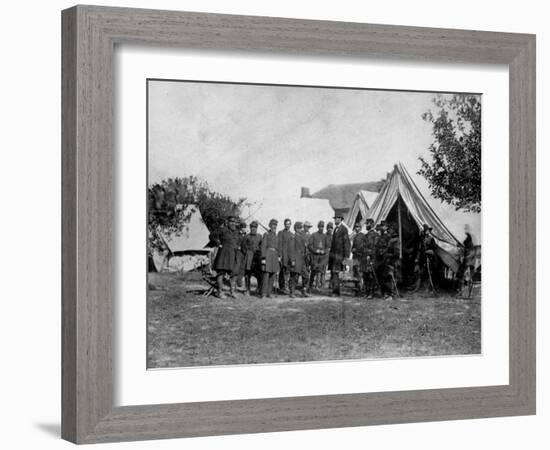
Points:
(400, 227)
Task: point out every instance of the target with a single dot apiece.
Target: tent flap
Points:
(400, 184)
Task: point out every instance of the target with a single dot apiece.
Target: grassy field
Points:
(187, 329)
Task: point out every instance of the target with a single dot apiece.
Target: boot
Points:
(232, 289)
(219, 282)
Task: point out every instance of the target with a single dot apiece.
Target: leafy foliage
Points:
(169, 201)
(454, 173)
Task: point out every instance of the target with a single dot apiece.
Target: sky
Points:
(266, 142)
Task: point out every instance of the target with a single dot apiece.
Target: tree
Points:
(169, 201)
(454, 172)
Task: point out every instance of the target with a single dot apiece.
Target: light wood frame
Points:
(89, 36)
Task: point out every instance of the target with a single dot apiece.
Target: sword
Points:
(430, 273)
(394, 284)
(373, 272)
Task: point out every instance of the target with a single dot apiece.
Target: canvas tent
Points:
(401, 202)
(360, 207)
(184, 250)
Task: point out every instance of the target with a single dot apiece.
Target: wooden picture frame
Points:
(89, 36)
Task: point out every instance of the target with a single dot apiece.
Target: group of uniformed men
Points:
(306, 256)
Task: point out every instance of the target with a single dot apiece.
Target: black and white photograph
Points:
(290, 224)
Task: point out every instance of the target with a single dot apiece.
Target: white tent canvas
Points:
(400, 185)
(360, 207)
(192, 238)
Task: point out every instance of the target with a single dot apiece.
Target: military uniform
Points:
(425, 263)
(393, 262)
(227, 241)
(380, 261)
(270, 261)
(225, 263)
(330, 232)
(318, 247)
(339, 251)
(366, 265)
(251, 248)
(239, 263)
(298, 261)
(357, 249)
(307, 235)
(284, 239)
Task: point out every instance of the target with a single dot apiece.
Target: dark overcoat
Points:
(270, 252)
(381, 247)
(339, 248)
(318, 247)
(298, 252)
(284, 240)
(369, 248)
(228, 243)
(251, 248)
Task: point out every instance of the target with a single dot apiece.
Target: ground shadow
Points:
(53, 429)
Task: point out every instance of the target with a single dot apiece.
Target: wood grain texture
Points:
(89, 36)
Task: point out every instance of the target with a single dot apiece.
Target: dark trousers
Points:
(316, 279)
(255, 274)
(369, 282)
(267, 283)
(284, 275)
(294, 277)
(335, 281)
(384, 278)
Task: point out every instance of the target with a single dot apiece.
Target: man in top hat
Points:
(330, 231)
(318, 249)
(251, 247)
(426, 259)
(339, 251)
(298, 253)
(366, 265)
(270, 258)
(227, 241)
(284, 237)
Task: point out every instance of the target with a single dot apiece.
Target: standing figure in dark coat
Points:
(298, 259)
(357, 240)
(339, 251)
(393, 261)
(239, 269)
(307, 234)
(318, 249)
(330, 231)
(270, 258)
(425, 263)
(227, 241)
(366, 266)
(284, 237)
(380, 261)
(251, 247)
